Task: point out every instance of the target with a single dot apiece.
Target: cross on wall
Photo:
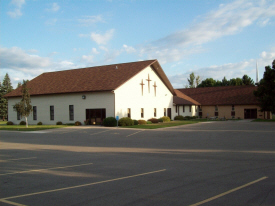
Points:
(148, 83)
(155, 88)
(142, 86)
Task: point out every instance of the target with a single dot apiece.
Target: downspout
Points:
(114, 103)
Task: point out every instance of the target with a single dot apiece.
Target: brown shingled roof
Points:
(227, 95)
(182, 99)
(91, 79)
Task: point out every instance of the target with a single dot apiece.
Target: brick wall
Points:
(226, 111)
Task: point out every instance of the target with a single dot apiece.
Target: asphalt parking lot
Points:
(212, 163)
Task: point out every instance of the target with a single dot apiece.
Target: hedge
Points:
(125, 121)
(110, 122)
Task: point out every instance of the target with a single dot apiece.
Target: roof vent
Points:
(116, 67)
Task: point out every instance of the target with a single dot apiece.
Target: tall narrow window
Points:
(34, 112)
(183, 108)
(155, 112)
(142, 113)
(71, 112)
(233, 111)
(200, 111)
(190, 108)
(164, 111)
(18, 116)
(216, 111)
(129, 112)
(51, 112)
(176, 108)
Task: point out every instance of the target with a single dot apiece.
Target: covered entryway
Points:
(95, 116)
(250, 113)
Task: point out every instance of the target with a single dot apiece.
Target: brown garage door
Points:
(250, 113)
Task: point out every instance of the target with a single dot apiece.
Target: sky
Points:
(212, 38)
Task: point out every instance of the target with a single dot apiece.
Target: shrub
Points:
(153, 120)
(187, 117)
(39, 123)
(160, 120)
(59, 123)
(77, 123)
(22, 123)
(110, 122)
(125, 121)
(148, 122)
(135, 122)
(166, 119)
(9, 123)
(179, 117)
(194, 117)
(142, 121)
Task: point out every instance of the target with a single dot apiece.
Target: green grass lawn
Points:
(4, 126)
(166, 124)
(263, 120)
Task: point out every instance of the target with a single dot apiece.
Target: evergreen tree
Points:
(24, 107)
(5, 88)
(266, 89)
(2, 103)
(247, 80)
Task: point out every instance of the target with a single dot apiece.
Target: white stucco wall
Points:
(61, 104)
(194, 110)
(129, 95)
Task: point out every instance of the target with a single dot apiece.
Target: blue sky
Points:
(212, 38)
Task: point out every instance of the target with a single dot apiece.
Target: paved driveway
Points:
(215, 163)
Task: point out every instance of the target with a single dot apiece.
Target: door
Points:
(169, 113)
(95, 116)
(250, 113)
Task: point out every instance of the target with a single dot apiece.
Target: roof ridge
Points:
(153, 60)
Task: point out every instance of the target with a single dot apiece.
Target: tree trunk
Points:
(26, 122)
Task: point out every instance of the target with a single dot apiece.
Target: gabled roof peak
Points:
(89, 79)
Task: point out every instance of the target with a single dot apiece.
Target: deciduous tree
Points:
(24, 107)
(191, 80)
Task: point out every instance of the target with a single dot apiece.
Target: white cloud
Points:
(94, 51)
(17, 59)
(129, 49)
(17, 10)
(90, 20)
(54, 7)
(268, 55)
(229, 70)
(88, 58)
(264, 22)
(102, 38)
(21, 65)
(228, 19)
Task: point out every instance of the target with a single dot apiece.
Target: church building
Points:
(139, 90)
